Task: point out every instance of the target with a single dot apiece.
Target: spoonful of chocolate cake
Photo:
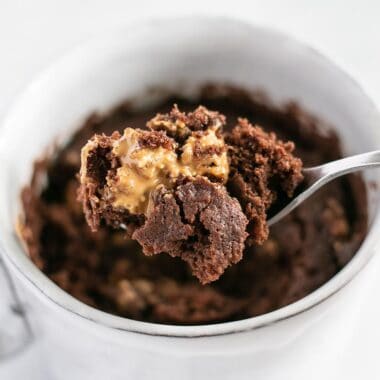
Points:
(186, 187)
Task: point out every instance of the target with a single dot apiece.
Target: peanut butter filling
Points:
(142, 170)
(144, 166)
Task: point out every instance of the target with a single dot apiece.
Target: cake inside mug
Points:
(167, 220)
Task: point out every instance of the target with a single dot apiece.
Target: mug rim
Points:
(54, 295)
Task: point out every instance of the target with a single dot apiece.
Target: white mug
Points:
(77, 341)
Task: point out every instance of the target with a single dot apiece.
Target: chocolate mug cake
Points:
(107, 270)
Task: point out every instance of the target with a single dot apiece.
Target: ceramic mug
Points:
(80, 342)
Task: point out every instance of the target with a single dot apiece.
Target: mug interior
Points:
(180, 56)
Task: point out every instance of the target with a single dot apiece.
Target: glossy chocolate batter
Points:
(109, 272)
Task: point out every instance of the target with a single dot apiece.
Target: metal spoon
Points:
(318, 176)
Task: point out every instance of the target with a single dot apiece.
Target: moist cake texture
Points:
(261, 167)
(108, 271)
(166, 186)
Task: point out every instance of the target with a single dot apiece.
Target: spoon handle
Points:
(334, 169)
(318, 176)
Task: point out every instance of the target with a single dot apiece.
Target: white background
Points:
(33, 34)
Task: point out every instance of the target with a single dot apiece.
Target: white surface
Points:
(34, 34)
